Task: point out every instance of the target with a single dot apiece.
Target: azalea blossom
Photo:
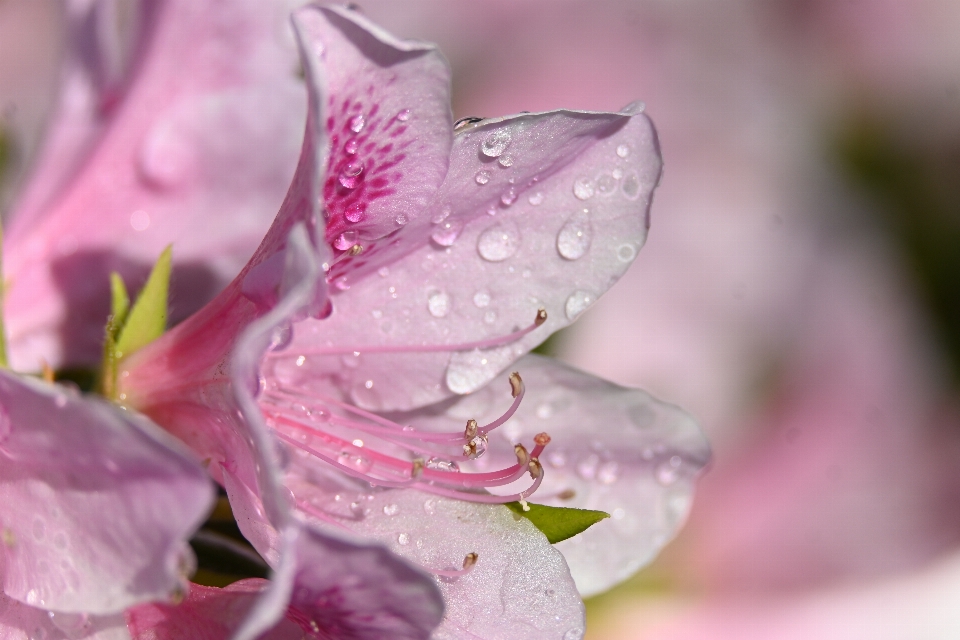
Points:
(97, 506)
(408, 269)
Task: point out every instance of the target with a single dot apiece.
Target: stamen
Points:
(469, 561)
(355, 250)
(516, 384)
(471, 429)
(539, 319)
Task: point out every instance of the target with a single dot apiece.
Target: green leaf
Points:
(147, 320)
(119, 302)
(558, 523)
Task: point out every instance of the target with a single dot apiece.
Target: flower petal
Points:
(617, 450)
(97, 504)
(174, 163)
(548, 248)
(387, 115)
(19, 621)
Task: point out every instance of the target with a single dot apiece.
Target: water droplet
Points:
(574, 633)
(631, 186)
(403, 539)
(140, 220)
(608, 473)
(438, 304)
(481, 299)
(403, 115)
(606, 184)
(357, 122)
(506, 161)
(439, 464)
(354, 212)
(401, 219)
(584, 188)
(508, 197)
(499, 242)
(476, 447)
(626, 252)
(490, 317)
(482, 177)
(495, 143)
(391, 509)
(441, 215)
(447, 233)
(617, 173)
(345, 240)
(536, 198)
(577, 303)
(350, 174)
(623, 151)
(352, 145)
(281, 336)
(574, 237)
(383, 272)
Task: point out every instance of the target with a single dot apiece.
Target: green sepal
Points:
(129, 329)
(147, 320)
(558, 523)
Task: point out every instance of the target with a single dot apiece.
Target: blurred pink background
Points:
(799, 292)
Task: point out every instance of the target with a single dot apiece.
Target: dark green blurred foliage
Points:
(913, 181)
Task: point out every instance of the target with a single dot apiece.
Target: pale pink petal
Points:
(387, 115)
(549, 248)
(19, 621)
(197, 149)
(617, 450)
(520, 586)
(97, 503)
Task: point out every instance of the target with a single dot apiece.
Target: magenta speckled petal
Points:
(97, 503)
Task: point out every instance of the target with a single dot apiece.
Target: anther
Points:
(535, 468)
(357, 249)
(417, 469)
(542, 439)
(469, 560)
(463, 123)
(471, 431)
(516, 384)
(522, 456)
(541, 317)
(567, 494)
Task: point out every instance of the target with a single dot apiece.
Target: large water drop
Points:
(496, 143)
(577, 303)
(499, 242)
(438, 303)
(574, 237)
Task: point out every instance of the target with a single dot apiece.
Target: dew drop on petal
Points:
(391, 509)
(606, 184)
(357, 122)
(574, 237)
(617, 173)
(499, 242)
(626, 252)
(401, 219)
(441, 215)
(403, 539)
(352, 145)
(536, 198)
(447, 233)
(508, 197)
(438, 303)
(482, 177)
(623, 151)
(350, 174)
(583, 188)
(481, 299)
(345, 240)
(403, 115)
(631, 186)
(574, 633)
(496, 143)
(577, 303)
(490, 317)
(506, 161)
(354, 212)
(468, 371)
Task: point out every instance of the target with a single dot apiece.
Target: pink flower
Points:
(335, 417)
(161, 107)
(97, 505)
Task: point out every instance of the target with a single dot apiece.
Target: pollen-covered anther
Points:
(522, 456)
(356, 250)
(542, 439)
(471, 431)
(469, 560)
(535, 468)
(541, 317)
(417, 469)
(516, 384)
